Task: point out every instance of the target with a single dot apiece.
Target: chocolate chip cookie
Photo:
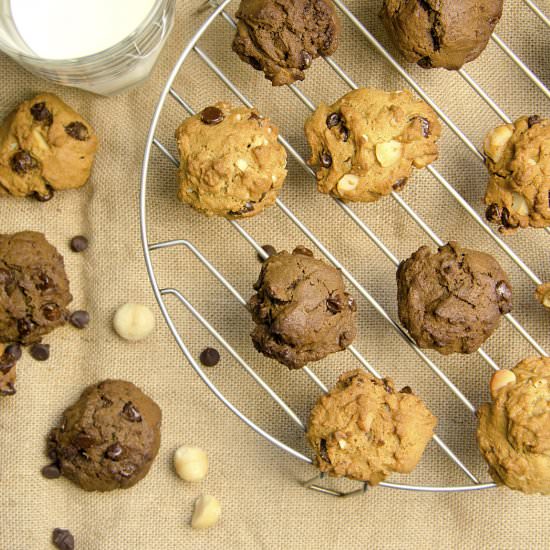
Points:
(34, 289)
(514, 429)
(283, 37)
(109, 438)
(367, 143)
(231, 163)
(365, 429)
(301, 309)
(441, 33)
(44, 146)
(452, 301)
(518, 160)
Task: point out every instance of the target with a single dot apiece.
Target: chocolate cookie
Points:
(44, 146)
(34, 290)
(365, 429)
(518, 160)
(301, 310)
(452, 301)
(231, 163)
(367, 143)
(109, 438)
(282, 37)
(441, 33)
(514, 429)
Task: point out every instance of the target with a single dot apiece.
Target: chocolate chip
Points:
(79, 319)
(41, 114)
(494, 213)
(255, 116)
(24, 327)
(114, 452)
(131, 413)
(6, 365)
(83, 441)
(45, 283)
(334, 305)
(105, 402)
(79, 243)
(13, 351)
(40, 352)
(306, 60)
(212, 115)
(406, 389)
(209, 357)
(532, 120)
(505, 218)
(22, 162)
(323, 450)
(425, 62)
(503, 290)
(325, 159)
(51, 471)
(303, 251)
(248, 207)
(269, 250)
(387, 387)
(400, 184)
(127, 470)
(46, 197)
(52, 312)
(69, 452)
(344, 132)
(77, 131)
(8, 390)
(63, 539)
(333, 120)
(425, 123)
(256, 64)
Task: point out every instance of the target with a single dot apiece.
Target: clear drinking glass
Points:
(108, 72)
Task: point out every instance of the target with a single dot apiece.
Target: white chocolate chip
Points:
(532, 162)
(389, 152)
(365, 138)
(519, 204)
(273, 178)
(241, 164)
(500, 379)
(546, 300)
(269, 130)
(207, 512)
(348, 183)
(496, 141)
(191, 463)
(258, 141)
(342, 444)
(134, 321)
(40, 141)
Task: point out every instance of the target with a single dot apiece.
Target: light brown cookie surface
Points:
(231, 163)
(365, 429)
(44, 146)
(367, 143)
(542, 295)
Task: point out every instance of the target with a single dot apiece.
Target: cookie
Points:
(365, 429)
(44, 146)
(34, 289)
(231, 163)
(452, 301)
(518, 160)
(109, 438)
(283, 37)
(513, 430)
(542, 295)
(301, 309)
(441, 33)
(367, 143)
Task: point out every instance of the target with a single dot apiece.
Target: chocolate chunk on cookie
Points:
(283, 37)
(441, 33)
(452, 301)
(109, 438)
(34, 289)
(365, 429)
(44, 146)
(231, 163)
(301, 309)
(367, 143)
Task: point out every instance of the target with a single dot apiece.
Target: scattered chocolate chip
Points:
(131, 413)
(256, 64)
(255, 116)
(24, 327)
(323, 450)
(325, 159)
(51, 471)
(63, 539)
(8, 390)
(493, 213)
(303, 251)
(532, 120)
(406, 389)
(212, 115)
(209, 357)
(333, 120)
(399, 184)
(22, 162)
(334, 305)
(248, 207)
(425, 63)
(127, 470)
(79, 319)
(106, 402)
(306, 60)
(6, 365)
(44, 198)
(387, 387)
(45, 282)
(269, 250)
(51, 312)
(82, 440)
(79, 243)
(13, 351)
(352, 304)
(69, 452)
(425, 123)
(505, 218)
(344, 132)
(40, 113)
(114, 452)
(40, 352)
(77, 131)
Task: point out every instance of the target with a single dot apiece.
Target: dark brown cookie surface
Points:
(109, 438)
(34, 290)
(441, 33)
(282, 37)
(301, 309)
(452, 301)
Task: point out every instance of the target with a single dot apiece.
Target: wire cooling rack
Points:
(219, 10)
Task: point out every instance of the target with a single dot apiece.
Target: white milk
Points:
(66, 29)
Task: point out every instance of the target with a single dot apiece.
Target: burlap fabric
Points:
(264, 505)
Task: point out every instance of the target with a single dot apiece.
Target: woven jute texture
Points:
(264, 505)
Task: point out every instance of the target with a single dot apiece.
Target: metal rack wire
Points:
(162, 293)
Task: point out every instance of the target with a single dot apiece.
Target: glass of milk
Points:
(103, 46)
